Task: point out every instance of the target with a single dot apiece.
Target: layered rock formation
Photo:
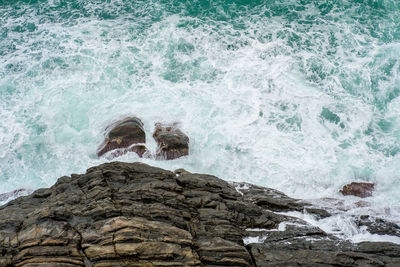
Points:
(122, 214)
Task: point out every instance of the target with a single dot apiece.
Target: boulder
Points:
(358, 189)
(126, 135)
(172, 143)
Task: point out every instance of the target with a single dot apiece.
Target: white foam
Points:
(343, 226)
(254, 239)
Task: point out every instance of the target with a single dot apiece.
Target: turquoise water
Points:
(301, 96)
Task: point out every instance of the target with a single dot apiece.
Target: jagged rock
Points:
(124, 136)
(132, 214)
(358, 189)
(378, 225)
(172, 142)
(275, 200)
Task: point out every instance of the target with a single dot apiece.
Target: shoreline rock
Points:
(358, 189)
(126, 135)
(171, 141)
(132, 214)
(14, 194)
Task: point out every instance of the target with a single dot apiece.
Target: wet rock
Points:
(275, 200)
(14, 194)
(298, 244)
(323, 252)
(132, 214)
(378, 225)
(362, 204)
(172, 143)
(124, 136)
(358, 189)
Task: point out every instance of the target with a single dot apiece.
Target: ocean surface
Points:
(298, 95)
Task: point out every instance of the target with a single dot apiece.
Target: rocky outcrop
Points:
(131, 214)
(172, 143)
(124, 136)
(358, 189)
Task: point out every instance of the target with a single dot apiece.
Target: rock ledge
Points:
(132, 214)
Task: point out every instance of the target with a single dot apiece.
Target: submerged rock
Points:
(171, 141)
(14, 194)
(358, 189)
(124, 136)
(132, 214)
(378, 226)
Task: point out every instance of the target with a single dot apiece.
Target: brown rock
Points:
(358, 189)
(124, 136)
(362, 204)
(172, 142)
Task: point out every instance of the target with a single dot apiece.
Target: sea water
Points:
(297, 95)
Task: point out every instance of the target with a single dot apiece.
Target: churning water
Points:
(298, 95)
